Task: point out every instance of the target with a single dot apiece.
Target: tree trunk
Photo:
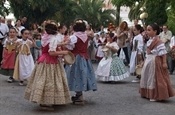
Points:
(118, 15)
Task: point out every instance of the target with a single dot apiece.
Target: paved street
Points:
(121, 98)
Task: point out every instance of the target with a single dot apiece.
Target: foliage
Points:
(156, 12)
(118, 4)
(36, 11)
(64, 11)
(91, 11)
(4, 10)
(135, 10)
(171, 18)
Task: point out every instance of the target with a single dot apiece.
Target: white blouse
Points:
(159, 50)
(73, 40)
(55, 41)
(114, 45)
(139, 38)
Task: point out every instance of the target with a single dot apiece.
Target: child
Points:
(24, 64)
(9, 54)
(48, 84)
(101, 43)
(80, 75)
(155, 82)
(137, 51)
(37, 49)
(111, 68)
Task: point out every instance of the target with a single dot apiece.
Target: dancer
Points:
(111, 68)
(48, 84)
(80, 75)
(24, 61)
(155, 82)
(101, 43)
(137, 51)
(9, 54)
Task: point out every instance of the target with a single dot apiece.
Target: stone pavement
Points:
(121, 98)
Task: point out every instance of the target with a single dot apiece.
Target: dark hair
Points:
(139, 27)
(51, 28)
(112, 35)
(79, 26)
(39, 30)
(23, 30)
(156, 28)
(61, 26)
(12, 28)
(18, 19)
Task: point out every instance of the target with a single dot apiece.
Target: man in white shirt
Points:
(165, 36)
(3, 34)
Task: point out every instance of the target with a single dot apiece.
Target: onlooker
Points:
(19, 27)
(24, 22)
(122, 39)
(3, 33)
(9, 23)
(165, 36)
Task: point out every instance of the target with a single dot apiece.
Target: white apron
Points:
(133, 61)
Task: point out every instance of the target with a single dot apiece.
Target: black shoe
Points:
(10, 80)
(77, 98)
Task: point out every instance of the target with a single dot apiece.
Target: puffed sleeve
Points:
(73, 40)
(53, 44)
(115, 45)
(161, 50)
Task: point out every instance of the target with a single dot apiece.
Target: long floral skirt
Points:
(116, 70)
(48, 85)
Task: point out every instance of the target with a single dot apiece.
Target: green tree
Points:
(93, 12)
(156, 12)
(4, 10)
(40, 10)
(136, 9)
(118, 4)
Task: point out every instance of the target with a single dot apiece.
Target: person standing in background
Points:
(3, 34)
(172, 47)
(166, 36)
(19, 27)
(9, 23)
(122, 38)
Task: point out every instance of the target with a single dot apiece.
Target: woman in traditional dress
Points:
(48, 84)
(111, 68)
(9, 54)
(155, 82)
(137, 50)
(24, 64)
(90, 34)
(81, 76)
(101, 43)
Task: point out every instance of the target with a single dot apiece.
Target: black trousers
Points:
(125, 50)
(172, 65)
(1, 51)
